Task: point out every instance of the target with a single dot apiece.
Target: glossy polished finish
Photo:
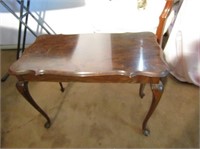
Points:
(85, 55)
(127, 57)
(116, 57)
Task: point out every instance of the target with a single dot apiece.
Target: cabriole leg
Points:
(22, 87)
(157, 90)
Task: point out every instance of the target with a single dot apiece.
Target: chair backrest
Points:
(162, 20)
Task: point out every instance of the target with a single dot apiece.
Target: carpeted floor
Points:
(97, 115)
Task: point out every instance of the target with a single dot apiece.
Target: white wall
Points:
(81, 16)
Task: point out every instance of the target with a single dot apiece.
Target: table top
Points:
(127, 54)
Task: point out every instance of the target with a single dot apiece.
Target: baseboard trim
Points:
(11, 46)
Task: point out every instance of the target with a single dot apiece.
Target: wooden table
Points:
(102, 58)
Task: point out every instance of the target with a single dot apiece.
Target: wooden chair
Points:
(98, 57)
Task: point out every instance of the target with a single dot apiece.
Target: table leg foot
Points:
(141, 91)
(157, 90)
(47, 124)
(146, 132)
(61, 87)
(22, 87)
(5, 77)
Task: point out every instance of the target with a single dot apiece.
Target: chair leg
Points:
(157, 90)
(141, 91)
(61, 87)
(22, 87)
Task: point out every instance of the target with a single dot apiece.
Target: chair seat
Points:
(92, 55)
